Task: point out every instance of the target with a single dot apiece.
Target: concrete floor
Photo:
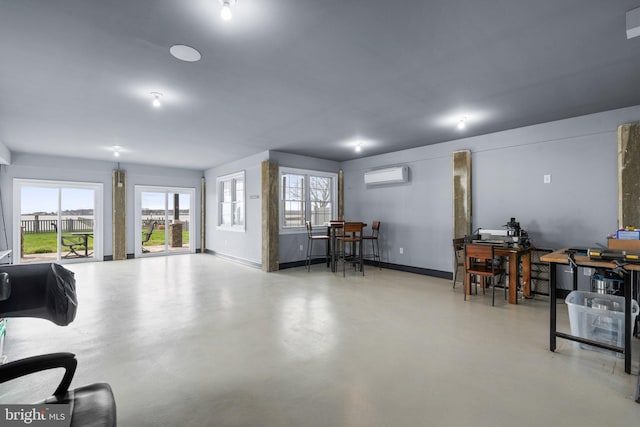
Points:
(196, 340)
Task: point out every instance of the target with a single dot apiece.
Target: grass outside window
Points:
(45, 243)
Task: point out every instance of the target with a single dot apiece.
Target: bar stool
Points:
(458, 258)
(310, 239)
(352, 236)
(373, 238)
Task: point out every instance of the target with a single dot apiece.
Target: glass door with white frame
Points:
(57, 221)
(164, 220)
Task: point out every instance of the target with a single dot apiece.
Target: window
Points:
(306, 196)
(231, 201)
(56, 221)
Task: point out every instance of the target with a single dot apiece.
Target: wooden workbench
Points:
(582, 261)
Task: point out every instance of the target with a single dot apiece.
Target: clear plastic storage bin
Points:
(599, 317)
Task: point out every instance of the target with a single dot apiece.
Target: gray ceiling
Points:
(302, 76)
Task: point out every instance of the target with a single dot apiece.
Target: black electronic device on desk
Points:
(511, 236)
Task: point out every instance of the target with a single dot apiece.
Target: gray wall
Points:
(245, 246)
(290, 243)
(579, 207)
(29, 166)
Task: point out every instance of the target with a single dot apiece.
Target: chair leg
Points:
(309, 251)
(464, 290)
(455, 270)
(493, 291)
(376, 252)
(361, 256)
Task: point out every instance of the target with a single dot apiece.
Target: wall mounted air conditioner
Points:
(390, 175)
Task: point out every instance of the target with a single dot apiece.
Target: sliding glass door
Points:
(164, 220)
(57, 221)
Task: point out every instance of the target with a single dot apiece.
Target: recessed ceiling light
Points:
(462, 124)
(116, 150)
(185, 53)
(359, 147)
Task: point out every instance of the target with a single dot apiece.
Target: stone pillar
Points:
(629, 175)
(118, 219)
(270, 220)
(175, 234)
(461, 193)
(340, 194)
(203, 214)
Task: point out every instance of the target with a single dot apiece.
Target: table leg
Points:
(552, 306)
(513, 278)
(329, 258)
(467, 282)
(526, 273)
(628, 327)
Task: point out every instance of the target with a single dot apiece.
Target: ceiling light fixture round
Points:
(185, 53)
(359, 147)
(225, 13)
(462, 124)
(156, 99)
(116, 150)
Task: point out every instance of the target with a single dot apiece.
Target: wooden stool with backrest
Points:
(480, 261)
(313, 238)
(352, 237)
(373, 238)
(458, 258)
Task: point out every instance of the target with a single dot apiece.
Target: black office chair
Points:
(47, 291)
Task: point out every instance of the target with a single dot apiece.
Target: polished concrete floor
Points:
(196, 340)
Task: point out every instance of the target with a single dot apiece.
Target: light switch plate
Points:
(547, 179)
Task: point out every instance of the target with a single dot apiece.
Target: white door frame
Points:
(139, 189)
(98, 225)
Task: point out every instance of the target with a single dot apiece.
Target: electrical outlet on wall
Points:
(547, 179)
(301, 247)
(587, 271)
(401, 251)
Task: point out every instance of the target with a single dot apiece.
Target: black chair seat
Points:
(92, 405)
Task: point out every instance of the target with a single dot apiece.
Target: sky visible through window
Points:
(45, 199)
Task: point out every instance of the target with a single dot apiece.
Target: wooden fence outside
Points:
(69, 225)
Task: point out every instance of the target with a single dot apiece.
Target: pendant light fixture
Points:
(225, 13)
(156, 99)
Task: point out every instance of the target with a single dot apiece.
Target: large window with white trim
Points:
(306, 195)
(56, 221)
(231, 201)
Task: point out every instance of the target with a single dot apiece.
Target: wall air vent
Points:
(392, 175)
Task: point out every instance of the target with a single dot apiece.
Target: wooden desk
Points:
(516, 256)
(561, 257)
